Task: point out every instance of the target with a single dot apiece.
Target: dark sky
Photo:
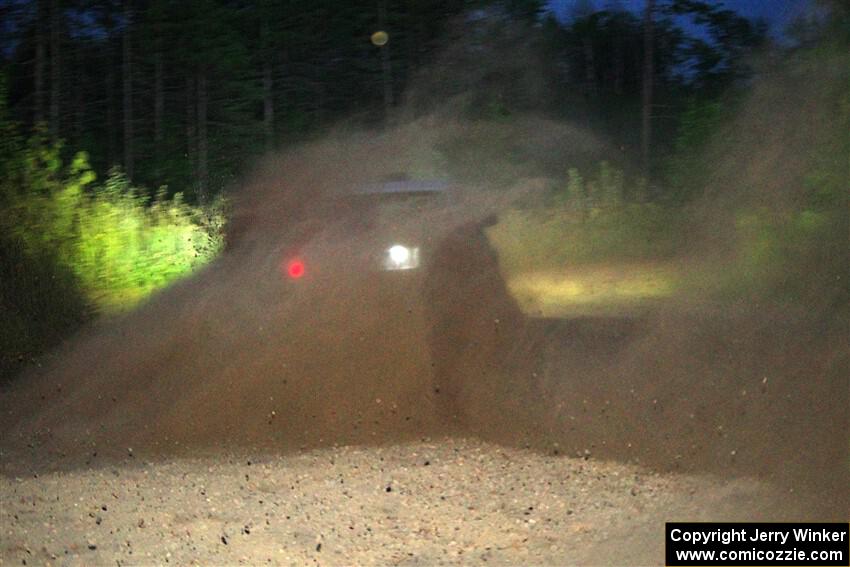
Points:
(777, 13)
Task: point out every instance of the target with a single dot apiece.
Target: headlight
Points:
(400, 257)
(399, 254)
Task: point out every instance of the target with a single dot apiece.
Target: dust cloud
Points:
(240, 356)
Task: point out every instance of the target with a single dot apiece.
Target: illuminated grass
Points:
(592, 289)
(119, 243)
(558, 263)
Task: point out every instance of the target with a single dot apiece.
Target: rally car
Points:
(404, 281)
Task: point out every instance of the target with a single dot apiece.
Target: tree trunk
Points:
(268, 105)
(268, 87)
(589, 65)
(112, 154)
(411, 39)
(203, 148)
(619, 65)
(386, 68)
(158, 104)
(108, 64)
(648, 72)
(127, 71)
(38, 111)
(79, 96)
(191, 130)
(55, 68)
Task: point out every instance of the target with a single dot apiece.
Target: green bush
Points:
(787, 256)
(796, 249)
(70, 247)
(590, 220)
(125, 248)
(688, 169)
(118, 243)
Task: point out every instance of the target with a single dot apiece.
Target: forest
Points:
(127, 125)
(182, 94)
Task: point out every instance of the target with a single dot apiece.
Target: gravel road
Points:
(431, 502)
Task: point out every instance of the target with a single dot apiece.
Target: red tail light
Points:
(295, 269)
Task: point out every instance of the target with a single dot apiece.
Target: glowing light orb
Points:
(380, 38)
(295, 269)
(399, 254)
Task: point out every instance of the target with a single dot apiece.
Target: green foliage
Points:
(789, 245)
(40, 301)
(535, 239)
(119, 245)
(799, 250)
(785, 256)
(70, 247)
(590, 221)
(573, 197)
(687, 170)
(722, 57)
(10, 141)
(605, 191)
(125, 248)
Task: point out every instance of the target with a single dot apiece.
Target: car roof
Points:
(404, 186)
